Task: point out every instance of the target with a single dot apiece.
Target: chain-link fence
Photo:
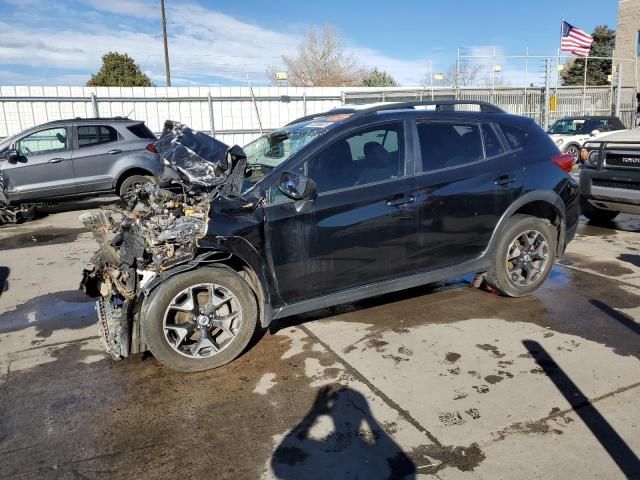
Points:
(564, 101)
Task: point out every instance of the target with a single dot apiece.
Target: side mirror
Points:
(12, 155)
(595, 132)
(296, 186)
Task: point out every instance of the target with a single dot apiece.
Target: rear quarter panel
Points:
(541, 174)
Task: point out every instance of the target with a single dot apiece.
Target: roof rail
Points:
(440, 105)
(334, 111)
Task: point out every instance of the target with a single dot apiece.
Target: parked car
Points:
(570, 133)
(610, 176)
(77, 158)
(338, 206)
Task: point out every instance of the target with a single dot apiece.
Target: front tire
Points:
(595, 214)
(574, 151)
(524, 256)
(200, 320)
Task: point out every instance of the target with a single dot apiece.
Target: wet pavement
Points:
(442, 381)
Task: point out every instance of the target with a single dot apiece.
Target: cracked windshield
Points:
(272, 149)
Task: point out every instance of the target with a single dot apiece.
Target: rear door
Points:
(45, 169)
(362, 224)
(467, 179)
(97, 148)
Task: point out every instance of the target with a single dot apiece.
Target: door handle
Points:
(504, 180)
(56, 160)
(400, 200)
(115, 151)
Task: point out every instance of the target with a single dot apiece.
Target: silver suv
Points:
(78, 158)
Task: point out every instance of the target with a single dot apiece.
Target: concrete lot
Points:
(443, 381)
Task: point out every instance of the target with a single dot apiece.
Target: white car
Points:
(571, 133)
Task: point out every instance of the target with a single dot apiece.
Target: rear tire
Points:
(130, 183)
(175, 332)
(523, 257)
(595, 214)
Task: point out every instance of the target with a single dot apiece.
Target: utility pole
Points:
(166, 45)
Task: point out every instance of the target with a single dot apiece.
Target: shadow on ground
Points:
(4, 282)
(47, 313)
(339, 438)
(602, 430)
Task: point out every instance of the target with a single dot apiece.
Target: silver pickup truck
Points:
(610, 175)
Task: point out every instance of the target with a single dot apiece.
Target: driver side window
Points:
(45, 141)
(371, 155)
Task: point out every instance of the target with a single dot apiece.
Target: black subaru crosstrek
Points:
(331, 208)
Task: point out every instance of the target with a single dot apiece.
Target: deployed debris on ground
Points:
(155, 228)
(14, 213)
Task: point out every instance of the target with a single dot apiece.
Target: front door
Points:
(44, 169)
(362, 224)
(469, 178)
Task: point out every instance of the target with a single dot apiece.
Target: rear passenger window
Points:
(515, 137)
(445, 145)
(140, 130)
(492, 144)
(91, 135)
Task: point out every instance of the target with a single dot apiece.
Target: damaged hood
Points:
(199, 160)
(157, 228)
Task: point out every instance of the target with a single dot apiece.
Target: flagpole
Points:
(558, 61)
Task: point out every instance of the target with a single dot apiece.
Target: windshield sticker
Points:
(318, 125)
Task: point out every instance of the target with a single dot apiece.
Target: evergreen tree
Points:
(119, 70)
(378, 78)
(604, 40)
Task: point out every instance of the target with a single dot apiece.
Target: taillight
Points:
(564, 161)
(151, 148)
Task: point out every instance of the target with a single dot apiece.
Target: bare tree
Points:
(466, 75)
(321, 61)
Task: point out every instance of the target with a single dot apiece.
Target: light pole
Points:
(166, 45)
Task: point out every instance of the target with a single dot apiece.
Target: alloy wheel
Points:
(527, 258)
(202, 320)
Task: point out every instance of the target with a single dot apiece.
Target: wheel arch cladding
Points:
(541, 204)
(128, 173)
(232, 262)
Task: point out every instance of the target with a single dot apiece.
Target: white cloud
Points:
(129, 8)
(202, 42)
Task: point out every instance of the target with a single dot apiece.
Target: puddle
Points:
(604, 267)
(50, 236)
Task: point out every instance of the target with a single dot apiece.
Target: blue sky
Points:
(45, 42)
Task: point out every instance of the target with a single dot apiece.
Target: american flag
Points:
(575, 40)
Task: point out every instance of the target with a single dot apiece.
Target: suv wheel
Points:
(524, 256)
(129, 184)
(595, 214)
(574, 151)
(200, 319)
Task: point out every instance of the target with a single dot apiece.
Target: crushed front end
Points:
(155, 230)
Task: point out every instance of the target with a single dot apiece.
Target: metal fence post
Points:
(94, 104)
(212, 125)
(619, 90)
(304, 103)
(545, 107)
